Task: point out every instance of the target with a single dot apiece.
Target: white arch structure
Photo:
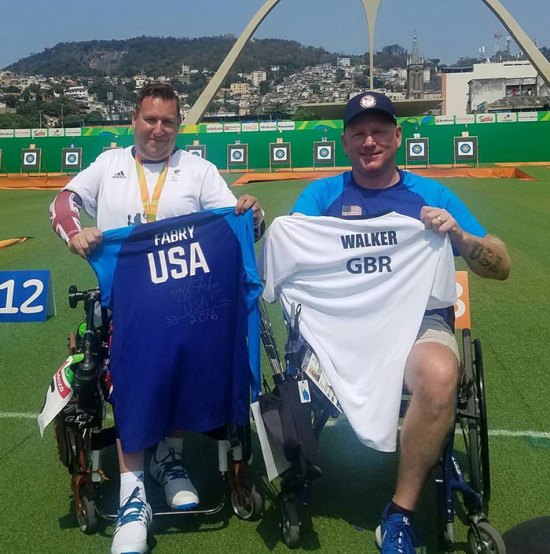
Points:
(541, 64)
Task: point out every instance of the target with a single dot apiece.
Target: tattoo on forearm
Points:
(486, 257)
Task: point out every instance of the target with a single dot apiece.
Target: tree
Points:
(14, 121)
(394, 50)
(10, 100)
(303, 114)
(362, 82)
(276, 108)
(93, 117)
(465, 62)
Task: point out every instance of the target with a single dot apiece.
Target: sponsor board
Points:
(248, 127)
(465, 119)
(528, 116)
(39, 133)
(485, 118)
(268, 125)
(507, 117)
(444, 119)
(6, 133)
(232, 127)
(22, 133)
(55, 132)
(214, 128)
(286, 125)
(72, 132)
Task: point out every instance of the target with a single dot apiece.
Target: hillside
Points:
(165, 56)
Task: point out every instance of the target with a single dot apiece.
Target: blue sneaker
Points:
(395, 535)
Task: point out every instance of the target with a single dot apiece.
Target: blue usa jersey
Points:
(340, 196)
(185, 347)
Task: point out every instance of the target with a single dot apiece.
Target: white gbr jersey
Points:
(364, 286)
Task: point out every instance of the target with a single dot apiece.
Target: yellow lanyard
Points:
(150, 206)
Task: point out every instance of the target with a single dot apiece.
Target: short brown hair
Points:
(164, 91)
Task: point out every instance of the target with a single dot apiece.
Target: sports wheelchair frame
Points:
(81, 436)
(473, 485)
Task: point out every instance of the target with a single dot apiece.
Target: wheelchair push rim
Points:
(474, 421)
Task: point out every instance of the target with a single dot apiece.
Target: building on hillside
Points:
(342, 62)
(257, 77)
(240, 88)
(185, 75)
(77, 93)
(472, 89)
(140, 81)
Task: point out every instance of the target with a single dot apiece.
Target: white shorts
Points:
(434, 329)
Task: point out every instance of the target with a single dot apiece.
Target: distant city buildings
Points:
(483, 87)
(478, 88)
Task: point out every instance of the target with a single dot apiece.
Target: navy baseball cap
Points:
(369, 102)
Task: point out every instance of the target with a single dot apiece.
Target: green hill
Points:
(165, 56)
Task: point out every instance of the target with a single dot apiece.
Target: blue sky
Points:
(446, 29)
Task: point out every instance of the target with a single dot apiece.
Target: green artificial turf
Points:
(510, 317)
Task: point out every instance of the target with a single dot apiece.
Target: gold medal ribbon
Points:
(150, 206)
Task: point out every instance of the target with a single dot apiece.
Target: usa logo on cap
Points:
(368, 101)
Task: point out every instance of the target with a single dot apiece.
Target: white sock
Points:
(164, 446)
(128, 483)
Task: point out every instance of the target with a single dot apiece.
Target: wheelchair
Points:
(81, 436)
(471, 486)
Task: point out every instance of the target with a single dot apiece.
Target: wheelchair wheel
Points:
(474, 425)
(485, 539)
(249, 505)
(290, 523)
(484, 429)
(85, 513)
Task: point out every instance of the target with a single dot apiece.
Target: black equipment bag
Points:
(288, 422)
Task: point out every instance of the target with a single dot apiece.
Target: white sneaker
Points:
(170, 472)
(132, 523)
